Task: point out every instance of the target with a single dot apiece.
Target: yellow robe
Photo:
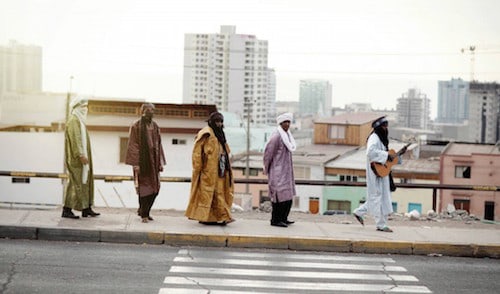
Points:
(211, 196)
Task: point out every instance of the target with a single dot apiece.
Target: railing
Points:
(118, 178)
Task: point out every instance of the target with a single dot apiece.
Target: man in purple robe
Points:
(145, 154)
(278, 167)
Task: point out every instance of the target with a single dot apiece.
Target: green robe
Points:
(77, 195)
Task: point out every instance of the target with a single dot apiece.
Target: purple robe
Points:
(278, 165)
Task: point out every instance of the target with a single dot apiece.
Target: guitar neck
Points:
(401, 150)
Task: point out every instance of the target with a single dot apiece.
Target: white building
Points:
(413, 110)
(228, 70)
(108, 123)
(20, 68)
(315, 98)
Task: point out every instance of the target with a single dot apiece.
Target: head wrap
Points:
(284, 117)
(382, 133)
(221, 137)
(78, 101)
(379, 121)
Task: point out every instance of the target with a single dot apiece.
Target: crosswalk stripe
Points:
(296, 256)
(291, 274)
(316, 286)
(204, 291)
(279, 263)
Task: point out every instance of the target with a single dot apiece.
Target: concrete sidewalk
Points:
(126, 227)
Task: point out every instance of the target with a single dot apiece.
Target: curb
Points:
(245, 241)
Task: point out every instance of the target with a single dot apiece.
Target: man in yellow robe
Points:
(212, 183)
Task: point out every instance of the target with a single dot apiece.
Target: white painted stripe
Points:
(204, 282)
(202, 291)
(276, 263)
(294, 256)
(291, 274)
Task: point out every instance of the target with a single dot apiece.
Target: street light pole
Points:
(247, 168)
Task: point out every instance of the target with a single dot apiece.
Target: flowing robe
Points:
(378, 194)
(148, 184)
(78, 195)
(278, 165)
(211, 196)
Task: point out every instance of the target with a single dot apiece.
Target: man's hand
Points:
(390, 157)
(84, 160)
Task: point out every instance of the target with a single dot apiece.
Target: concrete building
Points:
(413, 110)
(453, 101)
(315, 98)
(484, 113)
(229, 70)
(20, 68)
(475, 165)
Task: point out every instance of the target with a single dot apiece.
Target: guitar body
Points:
(383, 170)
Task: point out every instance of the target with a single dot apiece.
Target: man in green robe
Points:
(79, 192)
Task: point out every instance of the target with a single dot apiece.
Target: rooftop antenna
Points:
(472, 50)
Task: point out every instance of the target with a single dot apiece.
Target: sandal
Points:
(360, 219)
(385, 229)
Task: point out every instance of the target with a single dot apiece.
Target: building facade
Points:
(453, 101)
(413, 110)
(484, 113)
(315, 97)
(20, 68)
(474, 165)
(229, 70)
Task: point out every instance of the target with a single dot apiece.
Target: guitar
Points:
(382, 170)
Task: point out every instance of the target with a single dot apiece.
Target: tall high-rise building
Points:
(20, 68)
(484, 112)
(315, 97)
(228, 70)
(453, 101)
(413, 110)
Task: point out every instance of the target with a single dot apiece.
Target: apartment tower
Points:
(229, 70)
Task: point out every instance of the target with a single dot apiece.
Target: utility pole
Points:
(247, 168)
(472, 50)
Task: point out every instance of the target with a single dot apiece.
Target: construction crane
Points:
(472, 50)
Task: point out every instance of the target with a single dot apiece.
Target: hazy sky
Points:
(371, 51)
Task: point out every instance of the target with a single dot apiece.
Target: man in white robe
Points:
(378, 194)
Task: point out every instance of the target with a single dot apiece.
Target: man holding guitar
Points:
(379, 162)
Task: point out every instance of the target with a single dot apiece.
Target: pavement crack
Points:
(394, 283)
(12, 272)
(198, 284)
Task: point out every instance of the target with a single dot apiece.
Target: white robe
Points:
(378, 194)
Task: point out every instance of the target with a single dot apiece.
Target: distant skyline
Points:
(371, 51)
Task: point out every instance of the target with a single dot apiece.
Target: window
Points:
(302, 172)
(252, 172)
(462, 172)
(178, 142)
(462, 204)
(337, 132)
(123, 148)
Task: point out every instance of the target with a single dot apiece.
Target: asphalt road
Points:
(71, 267)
